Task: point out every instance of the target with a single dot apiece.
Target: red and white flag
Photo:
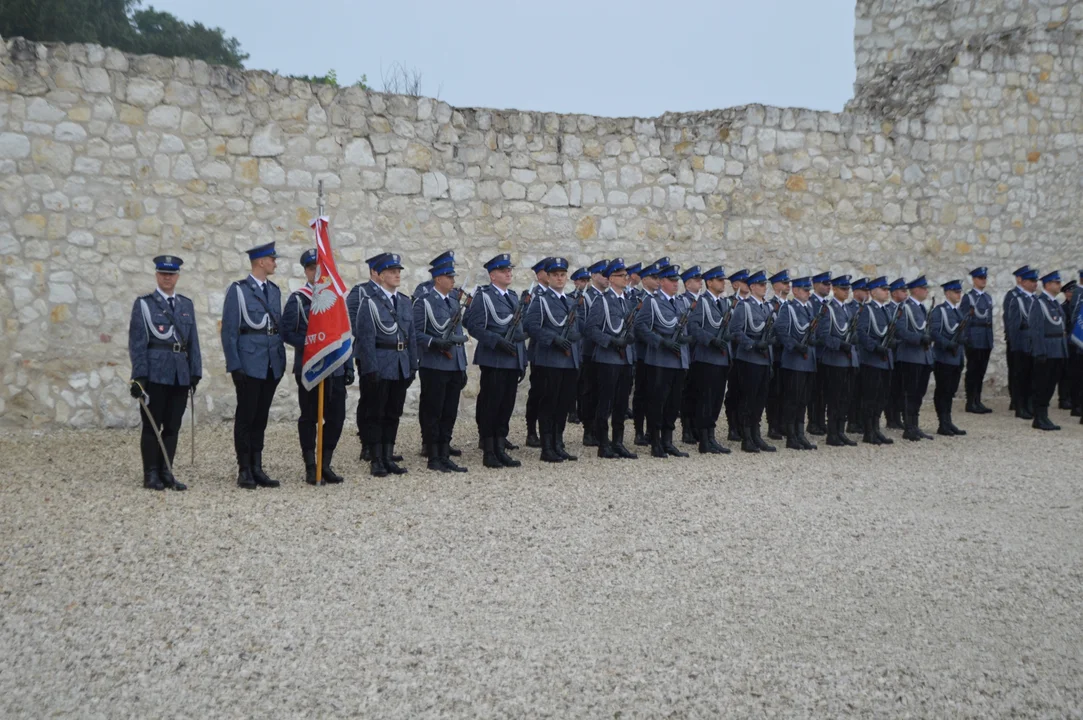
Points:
(329, 342)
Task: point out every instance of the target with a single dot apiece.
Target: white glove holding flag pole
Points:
(143, 400)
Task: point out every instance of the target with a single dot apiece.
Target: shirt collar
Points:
(442, 295)
(1046, 293)
(664, 296)
(389, 293)
(257, 281)
(951, 305)
(167, 297)
(980, 292)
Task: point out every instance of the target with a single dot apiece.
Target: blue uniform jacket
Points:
(871, 329)
(748, 326)
(979, 333)
(487, 319)
(1017, 321)
(704, 325)
(250, 330)
(911, 331)
(536, 292)
(641, 345)
(295, 327)
(162, 344)
(1008, 297)
(791, 327)
(945, 321)
(431, 316)
(590, 296)
(832, 330)
(384, 337)
(1047, 326)
(605, 320)
(353, 298)
(423, 288)
(546, 320)
(657, 320)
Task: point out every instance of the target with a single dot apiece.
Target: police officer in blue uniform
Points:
(554, 324)
(667, 359)
(353, 301)
(710, 362)
(855, 416)
(634, 289)
(1017, 324)
(914, 357)
(386, 350)
(877, 360)
(732, 402)
(753, 335)
(800, 342)
(692, 278)
(294, 329)
(1009, 354)
(780, 287)
(533, 397)
(1048, 349)
(163, 345)
(581, 279)
(586, 393)
(609, 325)
(440, 344)
(255, 358)
(501, 355)
(650, 281)
(817, 407)
(1066, 383)
(894, 408)
(1074, 368)
(979, 338)
(837, 359)
(948, 354)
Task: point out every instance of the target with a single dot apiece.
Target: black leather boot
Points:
(258, 475)
(605, 448)
(573, 418)
(841, 434)
(911, 431)
(834, 429)
(562, 451)
(869, 437)
(951, 425)
(792, 441)
(152, 480)
(389, 460)
(687, 436)
(894, 420)
(445, 455)
(971, 405)
(170, 482)
(1042, 421)
(309, 457)
(366, 453)
(588, 438)
(619, 448)
(982, 410)
(377, 468)
(774, 432)
(640, 438)
(436, 462)
(942, 427)
(760, 442)
(549, 453)
(735, 434)
(669, 447)
(719, 447)
(329, 475)
(884, 439)
(748, 445)
(656, 445)
(705, 446)
(500, 447)
(488, 457)
(804, 440)
(532, 439)
(917, 426)
(244, 474)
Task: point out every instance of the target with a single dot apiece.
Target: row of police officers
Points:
(602, 345)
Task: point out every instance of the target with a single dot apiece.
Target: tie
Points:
(172, 305)
(564, 303)
(718, 306)
(447, 301)
(673, 304)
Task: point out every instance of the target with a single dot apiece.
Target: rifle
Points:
(682, 322)
(626, 327)
(465, 299)
(517, 318)
(810, 331)
(766, 337)
(889, 334)
(851, 328)
(569, 320)
(724, 326)
(960, 330)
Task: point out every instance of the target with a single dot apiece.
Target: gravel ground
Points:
(926, 580)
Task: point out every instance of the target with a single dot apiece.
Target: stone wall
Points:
(968, 155)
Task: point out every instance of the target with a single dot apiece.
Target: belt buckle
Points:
(401, 346)
(271, 330)
(177, 347)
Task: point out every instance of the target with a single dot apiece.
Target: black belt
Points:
(269, 330)
(1054, 335)
(176, 347)
(399, 346)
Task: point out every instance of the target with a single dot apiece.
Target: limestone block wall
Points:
(107, 160)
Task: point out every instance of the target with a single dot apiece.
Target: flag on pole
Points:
(329, 342)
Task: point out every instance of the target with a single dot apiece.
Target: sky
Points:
(614, 58)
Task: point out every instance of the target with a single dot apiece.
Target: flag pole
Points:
(319, 402)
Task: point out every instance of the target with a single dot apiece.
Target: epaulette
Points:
(184, 297)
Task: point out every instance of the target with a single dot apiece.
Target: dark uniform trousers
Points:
(587, 391)
(855, 401)
(496, 401)
(533, 395)
(666, 386)
(838, 393)
(977, 362)
(639, 394)
(875, 384)
(167, 404)
(896, 400)
(384, 400)
(947, 384)
(438, 406)
(614, 383)
(752, 398)
(1073, 372)
(1021, 373)
(733, 397)
(1043, 381)
(707, 385)
(556, 397)
(797, 387)
(914, 379)
(334, 412)
(254, 397)
(774, 408)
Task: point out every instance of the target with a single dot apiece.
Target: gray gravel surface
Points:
(937, 579)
